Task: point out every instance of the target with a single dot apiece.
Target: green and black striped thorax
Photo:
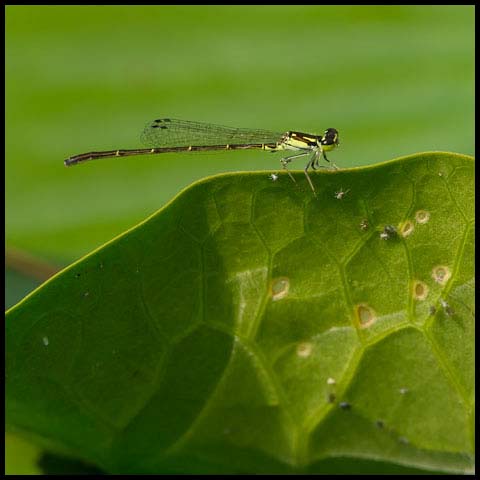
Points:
(307, 140)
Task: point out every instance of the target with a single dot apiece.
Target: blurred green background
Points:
(394, 80)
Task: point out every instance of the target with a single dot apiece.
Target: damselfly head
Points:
(330, 137)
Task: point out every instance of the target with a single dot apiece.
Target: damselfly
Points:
(167, 135)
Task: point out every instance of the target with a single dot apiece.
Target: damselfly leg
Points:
(334, 167)
(311, 163)
(286, 160)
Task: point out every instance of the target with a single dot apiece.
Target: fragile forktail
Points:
(167, 135)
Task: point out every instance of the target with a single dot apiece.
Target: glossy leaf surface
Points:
(251, 327)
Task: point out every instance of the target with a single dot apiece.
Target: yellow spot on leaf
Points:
(280, 287)
(441, 274)
(304, 349)
(406, 228)
(422, 216)
(420, 290)
(365, 315)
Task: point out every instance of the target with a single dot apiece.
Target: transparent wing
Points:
(169, 132)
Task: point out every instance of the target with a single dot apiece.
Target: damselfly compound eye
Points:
(330, 137)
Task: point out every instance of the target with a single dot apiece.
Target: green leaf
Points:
(251, 327)
(21, 456)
